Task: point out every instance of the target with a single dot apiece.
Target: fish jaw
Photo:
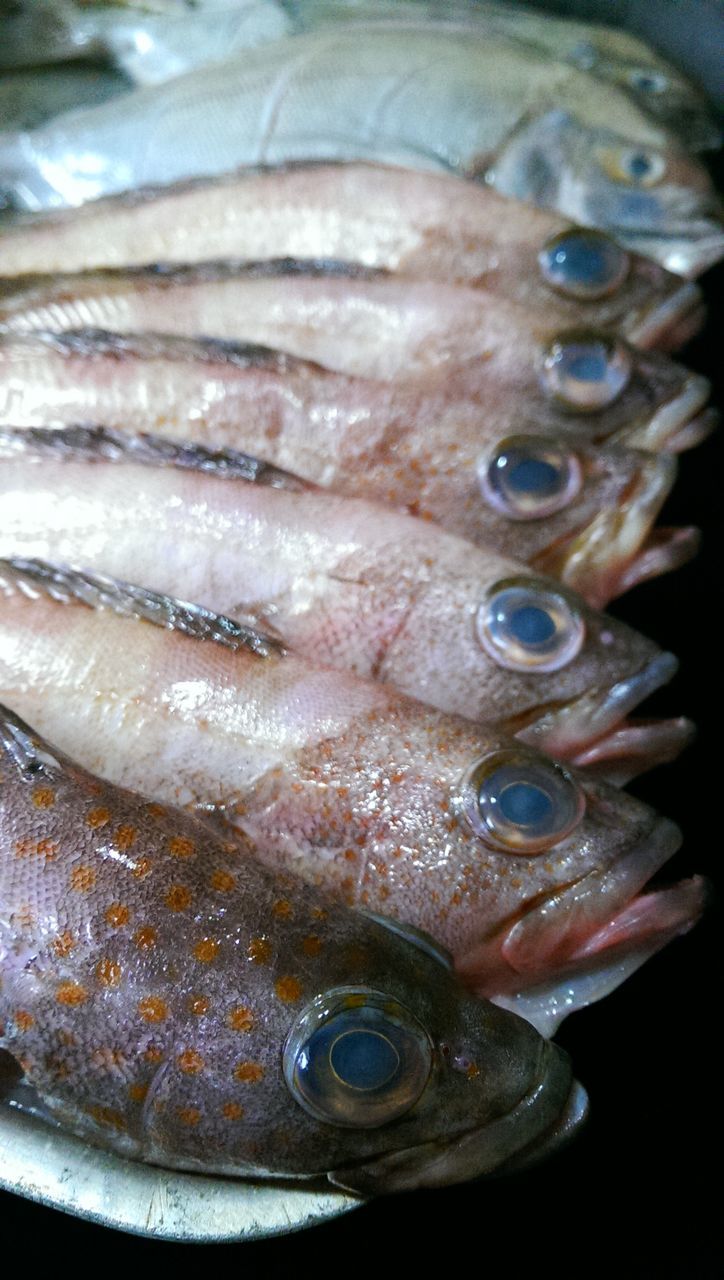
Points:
(573, 946)
(672, 322)
(679, 423)
(617, 548)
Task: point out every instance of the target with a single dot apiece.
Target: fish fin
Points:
(104, 444)
(98, 591)
(25, 748)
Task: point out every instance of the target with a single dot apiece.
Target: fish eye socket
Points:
(584, 264)
(520, 803)
(585, 371)
(634, 166)
(525, 625)
(649, 82)
(357, 1058)
(529, 477)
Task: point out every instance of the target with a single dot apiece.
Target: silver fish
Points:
(525, 870)
(162, 1004)
(422, 225)
(486, 108)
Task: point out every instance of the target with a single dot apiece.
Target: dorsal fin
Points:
(98, 591)
(105, 444)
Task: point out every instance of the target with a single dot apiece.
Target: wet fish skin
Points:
(337, 780)
(165, 1043)
(484, 108)
(27, 99)
(364, 324)
(422, 225)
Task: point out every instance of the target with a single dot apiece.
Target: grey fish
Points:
(485, 108)
(28, 99)
(162, 1004)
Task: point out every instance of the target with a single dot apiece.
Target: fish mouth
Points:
(594, 728)
(619, 547)
(672, 322)
(578, 943)
(687, 251)
(554, 1104)
(672, 421)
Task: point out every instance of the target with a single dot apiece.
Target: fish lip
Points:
(576, 725)
(669, 418)
(687, 252)
(573, 1116)
(663, 319)
(594, 559)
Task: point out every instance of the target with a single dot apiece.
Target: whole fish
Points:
(423, 225)
(27, 99)
(171, 1000)
(485, 108)
(334, 575)
(610, 54)
(530, 874)
(368, 324)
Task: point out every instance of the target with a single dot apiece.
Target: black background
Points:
(636, 1193)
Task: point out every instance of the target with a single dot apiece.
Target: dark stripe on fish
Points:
(98, 591)
(202, 272)
(148, 346)
(90, 443)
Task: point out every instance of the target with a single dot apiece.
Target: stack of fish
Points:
(320, 450)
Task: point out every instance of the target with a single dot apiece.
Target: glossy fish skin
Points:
(27, 99)
(340, 781)
(366, 324)
(151, 977)
(485, 108)
(421, 225)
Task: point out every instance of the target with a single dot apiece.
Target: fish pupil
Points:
(582, 261)
(533, 476)
(363, 1059)
(640, 165)
(531, 625)
(588, 364)
(526, 805)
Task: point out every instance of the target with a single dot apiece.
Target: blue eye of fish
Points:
(586, 371)
(357, 1058)
(653, 82)
(525, 625)
(529, 477)
(584, 264)
(522, 804)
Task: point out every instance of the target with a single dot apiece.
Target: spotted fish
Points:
(171, 1000)
(421, 225)
(528, 872)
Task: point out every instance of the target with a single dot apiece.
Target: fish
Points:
(390, 805)
(28, 99)
(422, 225)
(259, 541)
(527, 374)
(165, 995)
(608, 53)
(484, 108)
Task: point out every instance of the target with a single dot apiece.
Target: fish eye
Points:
(357, 1058)
(521, 803)
(528, 477)
(585, 371)
(634, 166)
(525, 625)
(649, 82)
(584, 264)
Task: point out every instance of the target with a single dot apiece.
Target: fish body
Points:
(367, 324)
(160, 1001)
(345, 783)
(421, 225)
(538, 131)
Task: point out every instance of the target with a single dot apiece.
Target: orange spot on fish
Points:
(190, 1116)
(153, 1053)
(117, 915)
(71, 993)
(248, 1072)
(259, 950)
(311, 945)
(241, 1018)
(223, 881)
(99, 817)
(108, 972)
(145, 937)
(24, 1020)
(199, 1005)
(178, 897)
(206, 950)
(232, 1111)
(138, 1092)
(350, 855)
(82, 879)
(190, 1062)
(282, 909)
(108, 1117)
(319, 913)
(43, 797)
(153, 1009)
(64, 943)
(181, 847)
(125, 838)
(288, 988)
(155, 811)
(473, 1071)
(142, 868)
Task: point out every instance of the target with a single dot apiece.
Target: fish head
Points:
(584, 515)
(652, 197)
(169, 999)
